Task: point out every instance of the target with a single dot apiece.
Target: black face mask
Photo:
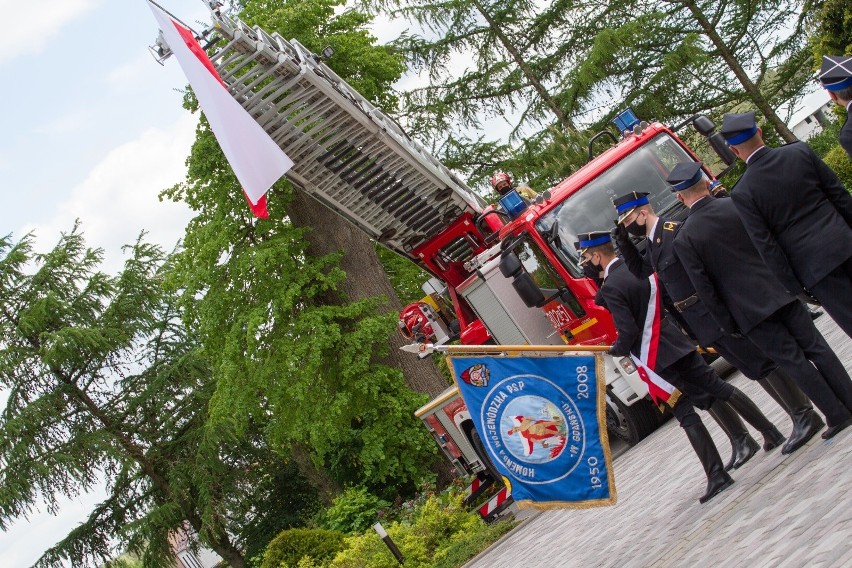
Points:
(635, 229)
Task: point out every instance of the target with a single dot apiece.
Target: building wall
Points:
(810, 125)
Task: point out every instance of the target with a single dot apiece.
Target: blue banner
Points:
(542, 420)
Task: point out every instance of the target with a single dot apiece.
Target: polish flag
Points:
(256, 159)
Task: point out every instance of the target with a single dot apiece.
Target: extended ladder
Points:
(348, 154)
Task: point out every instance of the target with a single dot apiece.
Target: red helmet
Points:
(501, 182)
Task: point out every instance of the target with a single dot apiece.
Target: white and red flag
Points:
(256, 159)
(660, 389)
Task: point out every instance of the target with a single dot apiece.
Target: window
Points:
(590, 208)
(545, 276)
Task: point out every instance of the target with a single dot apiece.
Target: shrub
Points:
(838, 160)
(353, 511)
(437, 532)
(292, 545)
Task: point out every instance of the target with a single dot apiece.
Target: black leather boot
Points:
(806, 422)
(746, 408)
(743, 446)
(717, 478)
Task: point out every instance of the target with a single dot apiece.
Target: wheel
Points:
(630, 423)
(479, 448)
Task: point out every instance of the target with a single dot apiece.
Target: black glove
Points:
(620, 235)
(615, 352)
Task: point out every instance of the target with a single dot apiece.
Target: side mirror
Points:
(717, 141)
(703, 125)
(510, 264)
(528, 290)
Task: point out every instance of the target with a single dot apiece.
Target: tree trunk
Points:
(733, 63)
(365, 278)
(326, 488)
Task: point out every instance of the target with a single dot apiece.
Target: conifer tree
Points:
(105, 385)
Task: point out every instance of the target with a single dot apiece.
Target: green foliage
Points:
(838, 160)
(823, 141)
(405, 276)
(288, 548)
(437, 531)
(371, 69)
(832, 34)
(464, 547)
(104, 383)
(353, 511)
(298, 367)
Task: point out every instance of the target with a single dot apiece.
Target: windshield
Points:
(590, 208)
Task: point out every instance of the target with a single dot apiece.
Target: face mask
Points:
(635, 229)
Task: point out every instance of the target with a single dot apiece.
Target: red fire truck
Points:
(503, 274)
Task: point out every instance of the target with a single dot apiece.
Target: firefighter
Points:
(636, 217)
(744, 298)
(836, 77)
(676, 360)
(501, 182)
(798, 215)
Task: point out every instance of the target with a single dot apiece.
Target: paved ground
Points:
(782, 511)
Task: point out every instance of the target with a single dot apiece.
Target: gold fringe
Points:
(600, 375)
(674, 397)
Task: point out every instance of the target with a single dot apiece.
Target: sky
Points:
(93, 129)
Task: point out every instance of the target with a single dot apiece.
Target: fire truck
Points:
(504, 274)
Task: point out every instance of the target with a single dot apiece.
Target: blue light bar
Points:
(513, 204)
(626, 120)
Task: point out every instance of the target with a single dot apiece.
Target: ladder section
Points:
(347, 154)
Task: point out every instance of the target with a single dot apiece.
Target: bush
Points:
(838, 160)
(292, 545)
(353, 511)
(465, 546)
(437, 532)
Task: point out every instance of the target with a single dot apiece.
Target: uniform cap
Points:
(589, 240)
(684, 175)
(737, 128)
(836, 72)
(625, 204)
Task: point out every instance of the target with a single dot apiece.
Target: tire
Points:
(630, 423)
(479, 448)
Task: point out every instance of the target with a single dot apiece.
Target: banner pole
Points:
(526, 348)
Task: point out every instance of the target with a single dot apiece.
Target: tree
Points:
(832, 30)
(105, 383)
(296, 311)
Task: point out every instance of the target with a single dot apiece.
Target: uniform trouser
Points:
(791, 339)
(695, 378)
(743, 354)
(684, 412)
(834, 292)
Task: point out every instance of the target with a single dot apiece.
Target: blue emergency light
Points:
(625, 120)
(513, 204)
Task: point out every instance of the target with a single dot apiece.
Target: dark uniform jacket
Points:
(725, 268)
(626, 297)
(846, 132)
(797, 213)
(659, 256)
